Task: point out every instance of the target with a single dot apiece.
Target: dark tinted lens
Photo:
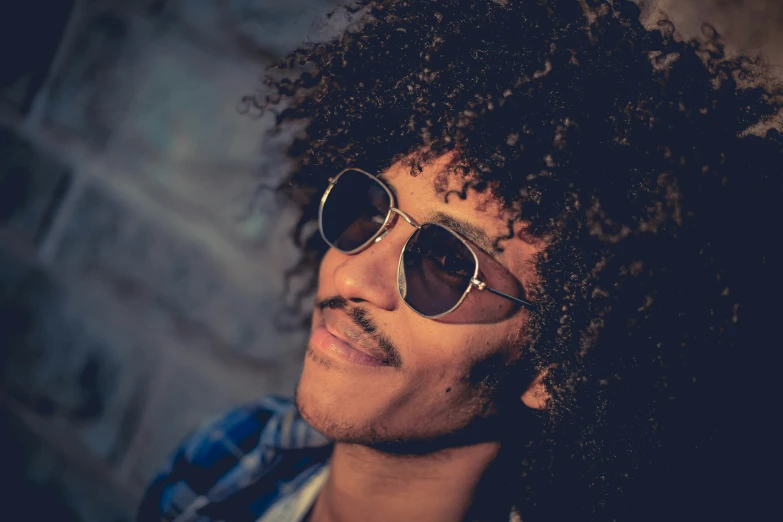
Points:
(435, 270)
(354, 210)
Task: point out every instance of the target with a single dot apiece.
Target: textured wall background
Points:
(139, 275)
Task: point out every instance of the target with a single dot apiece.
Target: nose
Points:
(371, 275)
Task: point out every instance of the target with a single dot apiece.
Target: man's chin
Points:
(338, 411)
(334, 402)
(326, 415)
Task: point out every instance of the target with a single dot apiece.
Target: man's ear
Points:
(536, 396)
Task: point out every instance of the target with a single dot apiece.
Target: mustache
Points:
(361, 318)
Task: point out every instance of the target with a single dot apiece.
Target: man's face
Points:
(432, 382)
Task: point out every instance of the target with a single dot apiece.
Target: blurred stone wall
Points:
(140, 269)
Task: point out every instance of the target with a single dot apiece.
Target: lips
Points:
(346, 338)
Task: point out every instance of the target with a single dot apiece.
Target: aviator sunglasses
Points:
(437, 268)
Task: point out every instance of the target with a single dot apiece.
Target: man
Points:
(526, 270)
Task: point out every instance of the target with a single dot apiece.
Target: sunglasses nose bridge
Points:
(390, 225)
(404, 216)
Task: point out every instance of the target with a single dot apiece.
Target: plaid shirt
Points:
(235, 468)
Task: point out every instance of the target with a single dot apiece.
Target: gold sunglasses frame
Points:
(388, 224)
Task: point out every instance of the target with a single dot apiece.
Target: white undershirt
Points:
(294, 507)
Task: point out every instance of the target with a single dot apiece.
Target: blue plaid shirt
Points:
(235, 468)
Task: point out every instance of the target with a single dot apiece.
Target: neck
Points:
(442, 486)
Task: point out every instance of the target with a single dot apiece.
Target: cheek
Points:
(455, 357)
(445, 387)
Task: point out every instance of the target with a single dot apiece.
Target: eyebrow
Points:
(469, 230)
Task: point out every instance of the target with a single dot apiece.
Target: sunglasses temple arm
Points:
(522, 302)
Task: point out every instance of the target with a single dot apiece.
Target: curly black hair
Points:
(638, 157)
